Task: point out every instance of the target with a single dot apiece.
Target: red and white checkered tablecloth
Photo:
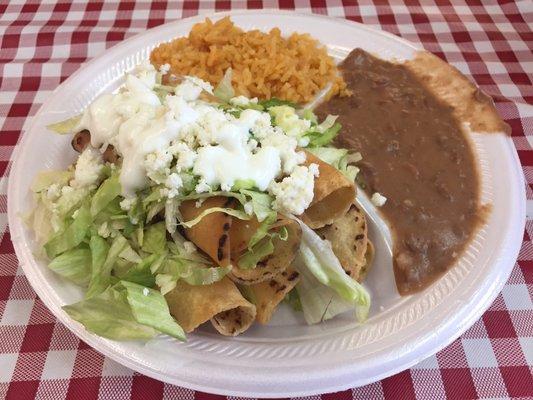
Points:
(42, 43)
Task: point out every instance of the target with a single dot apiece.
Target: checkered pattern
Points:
(43, 43)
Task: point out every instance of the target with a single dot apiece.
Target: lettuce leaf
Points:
(106, 193)
(101, 273)
(259, 251)
(338, 158)
(261, 203)
(230, 211)
(72, 236)
(318, 138)
(126, 311)
(66, 126)
(263, 229)
(46, 178)
(319, 259)
(155, 238)
(150, 308)
(109, 314)
(224, 90)
(74, 265)
(330, 155)
(194, 274)
(274, 102)
(318, 302)
(142, 272)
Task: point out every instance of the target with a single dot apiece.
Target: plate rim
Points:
(160, 375)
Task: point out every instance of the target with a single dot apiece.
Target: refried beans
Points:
(416, 154)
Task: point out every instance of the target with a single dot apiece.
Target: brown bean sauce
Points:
(415, 154)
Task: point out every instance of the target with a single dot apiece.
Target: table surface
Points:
(42, 43)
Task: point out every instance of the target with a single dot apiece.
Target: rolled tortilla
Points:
(225, 239)
(268, 294)
(348, 236)
(333, 195)
(221, 302)
(211, 233)
(274, 264)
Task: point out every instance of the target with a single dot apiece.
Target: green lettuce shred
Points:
(72, 236)
(74, 265)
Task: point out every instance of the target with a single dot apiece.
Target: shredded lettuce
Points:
(40, 220)
(155, 238)
(243, 184)
(224, 90)
(72, 236)
(45, 179)
(107, 192)
(319, 259)
(130, 255)
(319, 138)
(240, 197)
(71, 200)
(286, 118)
(173, 270)
(101, 273)
(274, 102)
(318, 302)
(260, 248)
(74, 265)
(263, 229)
(150, 308)
(141, 273)
(309, 115)
(66, 126)
(338, 158)
(230, 211)
(330, 155)
(293, 299)
(261, 203)
(259, 251)
(126, 311)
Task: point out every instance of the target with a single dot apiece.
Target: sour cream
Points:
(183, 135)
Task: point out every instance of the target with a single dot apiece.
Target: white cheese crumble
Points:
(53, 192)
(173, 184)
(88, 168)
(287, 119)
(248, 208)
(199, 203)
(189, 247)
(146, 73)
(164, 68)
(172, 141)
(378, 199)
(127, 203)
(286, 146)
(242, 101)
(295, 192)
(146, 292)
(202, 187)
(185, 156)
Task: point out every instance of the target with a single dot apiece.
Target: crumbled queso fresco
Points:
(182, 138)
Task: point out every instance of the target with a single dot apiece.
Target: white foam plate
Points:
(287, 358)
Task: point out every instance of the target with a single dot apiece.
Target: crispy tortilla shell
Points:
(277, 262)
(349, 239)
(211, 233)
(369, 258)
(468, 102)
(333, 195)
(268, 294)
(221, 302)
